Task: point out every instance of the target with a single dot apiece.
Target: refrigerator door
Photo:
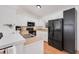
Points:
(69, 36)
(58, 40)
(50, 31)
(70, 30)
(58, 30)
(55, 31)
(57, 25)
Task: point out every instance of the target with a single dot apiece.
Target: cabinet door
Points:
(69, 38)
(45, 36)
(69, 16)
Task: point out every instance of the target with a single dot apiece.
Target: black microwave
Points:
(30, 23)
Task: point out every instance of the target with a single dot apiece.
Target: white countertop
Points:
(11, 39)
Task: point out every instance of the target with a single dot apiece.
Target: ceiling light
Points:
(38, 6)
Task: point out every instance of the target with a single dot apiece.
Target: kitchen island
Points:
(35, 44)
(10, 40)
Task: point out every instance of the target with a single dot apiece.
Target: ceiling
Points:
(41, 12)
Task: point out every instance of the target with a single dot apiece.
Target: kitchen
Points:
(19, 16)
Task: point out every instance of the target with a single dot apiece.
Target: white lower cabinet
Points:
(20, 49)
(34, 48)
(45, 36)
(42, 35)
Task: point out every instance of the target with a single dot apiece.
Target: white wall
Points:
(55, 15)
(7, 14)
(22, 19)
(77, 8)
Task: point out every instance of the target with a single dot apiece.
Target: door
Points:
(55, 33)
(50, 32)
(69, 38)
(69, 30)
(57, 38)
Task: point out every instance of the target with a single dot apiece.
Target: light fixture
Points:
(38, 6)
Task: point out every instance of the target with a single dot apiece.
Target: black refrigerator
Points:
(55, 33)
(70, 30)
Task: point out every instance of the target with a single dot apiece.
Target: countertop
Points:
(42, 29)
(37, 28)
(31, 40)
(11, 39)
